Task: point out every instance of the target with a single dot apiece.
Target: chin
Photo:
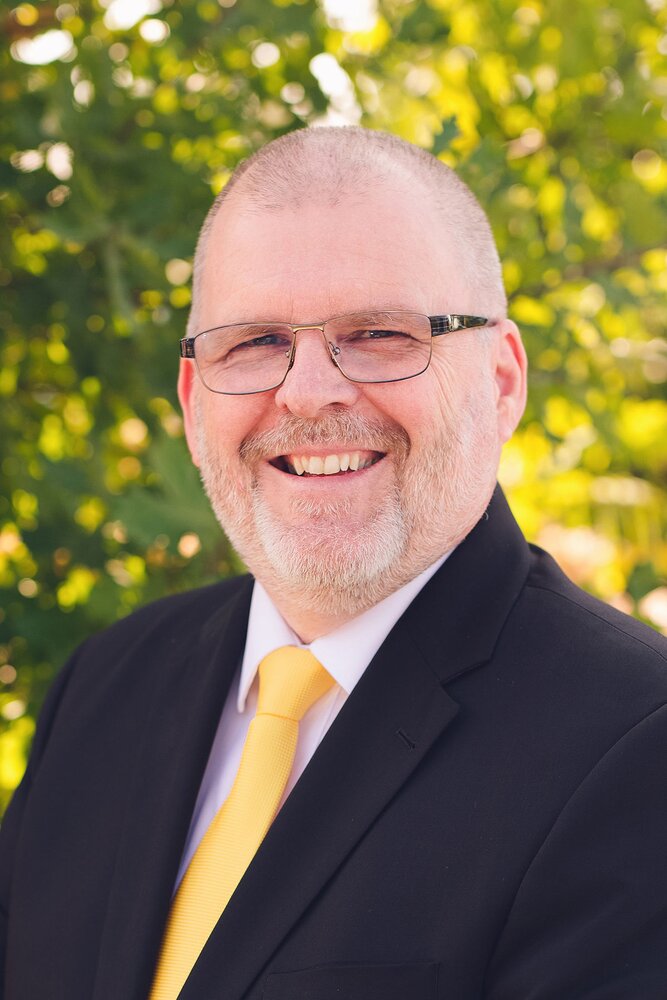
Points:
(332, 559)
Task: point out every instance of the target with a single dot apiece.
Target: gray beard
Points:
(430, 508)
(328, 575)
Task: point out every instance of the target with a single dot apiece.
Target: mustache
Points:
(351, 429)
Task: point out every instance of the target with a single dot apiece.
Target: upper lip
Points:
(322, 451)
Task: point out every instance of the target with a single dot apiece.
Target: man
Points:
(465, 797)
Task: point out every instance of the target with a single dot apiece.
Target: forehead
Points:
(387, 247)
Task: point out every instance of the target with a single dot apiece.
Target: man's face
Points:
(427, 447)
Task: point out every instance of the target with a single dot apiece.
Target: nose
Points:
(314, 383)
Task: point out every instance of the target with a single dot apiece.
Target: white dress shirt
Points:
(345, 653)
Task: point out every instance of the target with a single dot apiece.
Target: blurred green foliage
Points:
(121, 118)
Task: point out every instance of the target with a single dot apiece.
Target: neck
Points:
(313, 615)
(308, 626)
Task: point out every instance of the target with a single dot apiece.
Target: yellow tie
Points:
(291, 680)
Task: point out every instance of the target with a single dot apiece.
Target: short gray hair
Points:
(327, 163)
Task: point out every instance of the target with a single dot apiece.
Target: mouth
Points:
(335, 463)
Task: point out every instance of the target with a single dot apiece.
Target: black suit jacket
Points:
(486, 818)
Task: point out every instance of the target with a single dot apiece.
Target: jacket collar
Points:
(455, 621)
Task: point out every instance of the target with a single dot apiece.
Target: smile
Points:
(331, 464)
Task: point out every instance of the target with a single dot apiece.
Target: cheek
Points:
(458, 416)
(424, 407)
(464, 384)
(437, 401)
(223, 423)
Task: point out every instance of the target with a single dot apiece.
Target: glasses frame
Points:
(440, 325)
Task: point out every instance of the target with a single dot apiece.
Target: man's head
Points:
(319, 224)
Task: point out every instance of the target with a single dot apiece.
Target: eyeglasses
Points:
(245, 358)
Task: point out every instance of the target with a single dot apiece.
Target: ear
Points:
(187, 391)
(511, 366)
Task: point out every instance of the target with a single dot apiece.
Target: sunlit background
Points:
(119, 122)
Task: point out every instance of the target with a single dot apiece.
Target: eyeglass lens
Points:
(367, 347)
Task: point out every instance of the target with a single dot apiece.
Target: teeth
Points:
(327, 465)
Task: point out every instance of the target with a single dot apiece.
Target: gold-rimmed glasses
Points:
(376, 346)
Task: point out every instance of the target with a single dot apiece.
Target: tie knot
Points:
(291, 680)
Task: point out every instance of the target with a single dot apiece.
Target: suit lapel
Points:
(393, 717)
(167, 772)
(456, 620)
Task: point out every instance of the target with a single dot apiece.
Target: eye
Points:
(265, 340)
(261, 339)
(377, 334)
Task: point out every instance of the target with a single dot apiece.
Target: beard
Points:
(439, 491)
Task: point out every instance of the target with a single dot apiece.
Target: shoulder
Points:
(116, 670)
(200, 602)
(547, 583)
(169, 621)
(595, 646)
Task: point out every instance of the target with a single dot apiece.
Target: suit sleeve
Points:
(590, 919)
(11, 822)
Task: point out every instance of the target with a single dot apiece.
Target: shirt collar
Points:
(344, 653)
